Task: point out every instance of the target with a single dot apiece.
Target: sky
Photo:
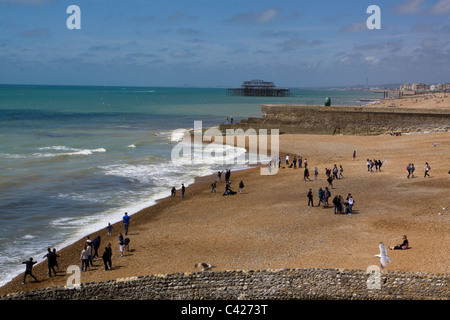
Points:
(223, 43)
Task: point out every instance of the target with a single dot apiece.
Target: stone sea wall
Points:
(284, 284)
(351, 120)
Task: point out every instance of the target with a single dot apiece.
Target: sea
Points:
(75, 158)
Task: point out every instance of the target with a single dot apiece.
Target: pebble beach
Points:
(270, 225)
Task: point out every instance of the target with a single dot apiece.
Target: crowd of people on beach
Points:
(52, 263)
(410, 168)
(341, 205)
(89, 252)
(374, 163)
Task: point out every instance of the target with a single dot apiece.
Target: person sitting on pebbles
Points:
(403, 246)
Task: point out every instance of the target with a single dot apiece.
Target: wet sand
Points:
(271, 226)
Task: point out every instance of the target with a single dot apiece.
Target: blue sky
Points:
(223, 43)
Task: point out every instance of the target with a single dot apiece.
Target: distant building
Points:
(405, 87)
(259, 88)
(418, 87)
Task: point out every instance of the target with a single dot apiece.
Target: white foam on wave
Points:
(173, 135)
(89, 197)
(73, 152)
(59, 148)
(28, 237)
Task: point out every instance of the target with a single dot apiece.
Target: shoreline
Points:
(270, 226)
(66, 251)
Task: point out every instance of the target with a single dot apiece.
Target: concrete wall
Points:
(364, 120)
(286, 284)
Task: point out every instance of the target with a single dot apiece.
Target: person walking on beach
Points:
(306, 174)
(316, 173)
(126, 245)
(408, 168)
(310, 198)
(227, 176)
(427, 169)
(89, 252)
(336, 203)
(287, 160)
(109, 228)
(330, 182)
(321, 196)
(219, 176)
(241, 187)
(96, 246)
(327, 196)
(51, 261)
(173, 192)
(85, 258)
(183, 190)
(121, 244)
(412, 170)
(29, 269)
(335, 172)
(350, 203)
(56, 256)
(213, 187)
(106, 256)
(341, 170)
(126, 222)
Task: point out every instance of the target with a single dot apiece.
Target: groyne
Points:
(347, 120)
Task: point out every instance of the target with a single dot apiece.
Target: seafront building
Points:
(418, 87)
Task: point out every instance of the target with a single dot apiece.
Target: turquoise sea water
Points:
(74, 158)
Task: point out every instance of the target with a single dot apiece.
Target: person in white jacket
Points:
(350, 203)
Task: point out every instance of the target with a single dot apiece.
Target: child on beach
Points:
(241, 187)
(109, 229)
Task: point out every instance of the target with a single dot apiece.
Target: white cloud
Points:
(260, 17)
(410, 7)
(441, 7)
(355, 27)
(372, 60)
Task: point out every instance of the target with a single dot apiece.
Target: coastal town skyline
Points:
(157, 43)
